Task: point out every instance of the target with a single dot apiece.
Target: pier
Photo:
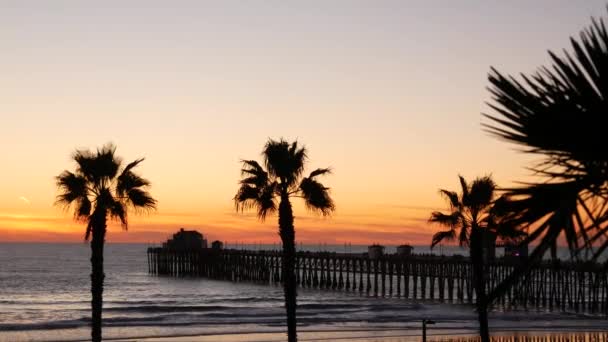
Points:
(563, 286)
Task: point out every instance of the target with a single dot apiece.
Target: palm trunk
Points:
(97, 275)
(287, 233)
(478, 275)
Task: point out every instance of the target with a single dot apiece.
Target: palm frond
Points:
(566, 100)
(528, 206)
(481, 192)
(551, 227)
(319, 172)
(251, 167)
(140, 200)
(72, 187)
(470, 208)
(256, 190)
(464, 236)
(452, 197)
(266, 202)
(508, 232)
(246, 197)
(448, 235)
(451, 220)
(118, 211)
(500, 221)
(464, 188)
(260, 198)
(98, 167)
(83, 208)
(132, 165)
(284, 161)
(316, 195)
(253, 174)
(298, 156)
(128, 181)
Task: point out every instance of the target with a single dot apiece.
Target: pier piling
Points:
(565, 286)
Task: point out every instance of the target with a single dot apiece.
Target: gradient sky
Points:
(387, 93)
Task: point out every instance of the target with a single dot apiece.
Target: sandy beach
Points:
(387, 336)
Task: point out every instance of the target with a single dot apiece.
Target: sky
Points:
(389, 94)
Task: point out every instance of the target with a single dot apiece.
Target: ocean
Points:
(45, 296)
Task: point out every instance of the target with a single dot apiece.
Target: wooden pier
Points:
(576, 287)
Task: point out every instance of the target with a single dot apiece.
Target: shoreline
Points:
(244, 333)
(367, 335)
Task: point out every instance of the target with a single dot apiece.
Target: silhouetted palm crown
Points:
(469, 210)
(100, 185)
(561, 114)
(284, 164)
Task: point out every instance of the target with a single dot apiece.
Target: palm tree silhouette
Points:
(100, 189)
(560, 114)
(282, 179)
(470, 221)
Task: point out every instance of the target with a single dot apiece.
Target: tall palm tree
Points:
(282, 179)
(470, 222)
(560, 114)
(100, 189)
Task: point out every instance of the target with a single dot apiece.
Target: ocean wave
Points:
(167, 308)
(42, 302)
(276, 318)
(206, 300)
(53, 325)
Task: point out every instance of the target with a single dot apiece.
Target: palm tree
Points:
(470, 222)
(282, 179)
(100, 189)
(559, 114)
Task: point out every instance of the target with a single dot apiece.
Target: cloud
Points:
(25, 200)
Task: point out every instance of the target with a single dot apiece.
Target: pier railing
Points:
(563, 286)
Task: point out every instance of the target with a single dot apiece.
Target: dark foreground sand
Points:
(389, 336)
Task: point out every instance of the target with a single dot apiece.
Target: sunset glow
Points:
(394, 108)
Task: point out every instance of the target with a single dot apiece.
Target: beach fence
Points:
(561, 286)
(524, 337)
(527, 337)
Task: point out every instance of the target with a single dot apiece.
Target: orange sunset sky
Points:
(387, 93)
